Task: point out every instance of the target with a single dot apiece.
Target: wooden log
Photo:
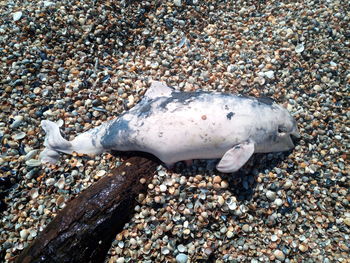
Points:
(84, 230)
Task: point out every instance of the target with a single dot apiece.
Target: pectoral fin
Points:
(236, 157)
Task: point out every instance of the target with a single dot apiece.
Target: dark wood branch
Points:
(84, 230)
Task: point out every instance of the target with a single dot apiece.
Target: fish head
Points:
(279, 128)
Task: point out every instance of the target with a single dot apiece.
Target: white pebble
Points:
(278, 202)
(181, 248)
(24, 234)
(271, 195)
(17, 122)
(33, 163)
(48, 3)
(50, 181)
(279, 255)
(181, 258)
(19, 136)
(177, 3)
(17, 16)
(299, 48)
(270, 74)
(317, 88)
(162, 187)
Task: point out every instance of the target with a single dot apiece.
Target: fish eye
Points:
(282, 129)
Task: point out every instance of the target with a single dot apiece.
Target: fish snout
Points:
(296, 134)
(295, 137)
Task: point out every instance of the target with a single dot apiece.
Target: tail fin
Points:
(54, 142)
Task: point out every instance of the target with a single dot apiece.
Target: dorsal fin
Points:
(158, 89)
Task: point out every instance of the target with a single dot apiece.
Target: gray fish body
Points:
(177, 126)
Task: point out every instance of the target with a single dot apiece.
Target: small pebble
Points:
(24, 233)
(279, 255)
(163, 188)
(271, 195)
(181, 258)
(17, 16)
(33, 163)
(177, 3)
(50, 182)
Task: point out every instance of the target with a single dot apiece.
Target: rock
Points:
(19, 136)
(162, 187)
(303, 247)
(50, 181)
(279, 255)
(246, 228)
(299, 48)
(271, 195)
(17, 122)
(217, 179)
(17, 16)
(181, 258)
(177, 3)
(317, 88)
(24, 234)
(347, 221)
(33, 163)
(31, 154)
(278, 202)
(270, 74)
(48, 3)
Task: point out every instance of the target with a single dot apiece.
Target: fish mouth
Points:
(289, 142)
(296, 134)
(294, 137)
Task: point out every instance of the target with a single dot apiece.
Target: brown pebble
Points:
(142, 180)
(224, 184)
(217, 179)
(303, 247)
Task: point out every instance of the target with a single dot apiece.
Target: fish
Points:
(179, 126)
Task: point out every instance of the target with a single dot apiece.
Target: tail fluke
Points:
(85, 143)
(54, 142)
(49, 156)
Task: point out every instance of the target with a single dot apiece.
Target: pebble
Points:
(279, 255)
(17, 122)
(50, 182)
(271, 195)
(303, 248)
(246, 228)
(181, 248)
(34, 193)
(177, 3)
(299, 48)
(347, 221)
(217, 179)
(24, 233)
(33, 163)
(181, 258)
(17, 16)
(229, 234)
(269, 74)
(31, 154)
(287, 184)
(278, 202)
(274, 238)
(163, 188)
(19, 136)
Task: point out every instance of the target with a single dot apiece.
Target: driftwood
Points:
(84, 230)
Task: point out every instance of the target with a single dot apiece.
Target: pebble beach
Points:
(81, 63)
